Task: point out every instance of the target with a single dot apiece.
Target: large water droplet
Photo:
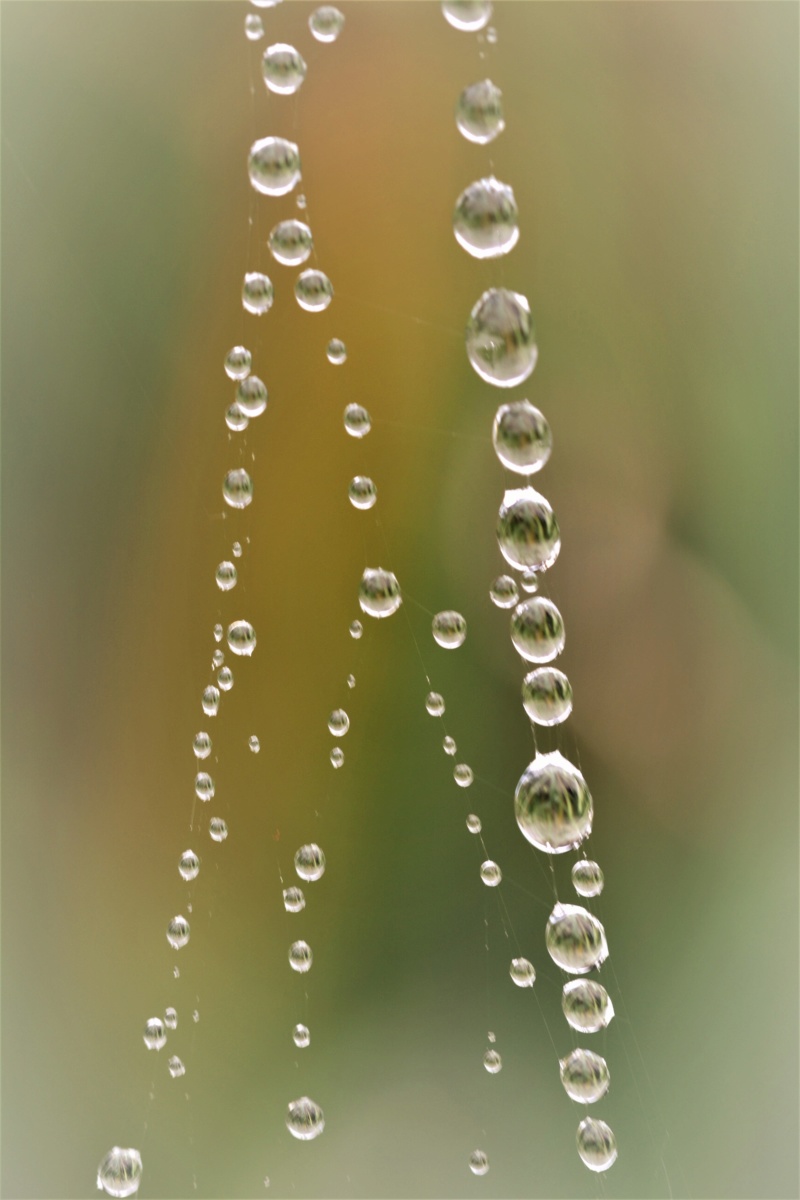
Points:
(336, 352)
(486, 219)
(201, 745)
(463, 775)
(478, 1162)
(189, 865)
(178, 932)
(226, 576)
(362, 492)
(291, 242)
(171, 1018)
(326, 23)
(468, 15)
(241, 637)
(434, 703)
(479, 112)
(527, 530)
(293, 900)
(499, 337)
(597, 1145)
(449, 629)
(585, 1076)
(547, 696)
(503, 592)
(552, 804)
(379, 593)
(576, 941)
(257, 293)
(357, 421)
(283, 69)
(253, 27)
(238, 488)
(522, 972)
(176, 1067)
(587, 1005)
(301, 1036)
(587, 878)
(474, 823)
(300, 957)
(309, 862)
(204, 786)
(238, 362)
(491, 873)
(251, 396)
(120, 1172)
(521, 437)
(305, 1119)
(211, 701)
(313, 290)
(537, 630)
(155, 1036)
(274, 166)
(493, 1062)
(218, 829)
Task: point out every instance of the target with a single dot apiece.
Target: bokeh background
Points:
(653, 153)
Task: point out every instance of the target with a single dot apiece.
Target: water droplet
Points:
(336, 352)
(178, 932)
(587, 878)
(530, 581)
(586, 1005)
(493, 1062)
(521, 437)
(238, 362)
(491, 873)
(552, 804)
(238, 488)
(235, 419)
(462, 775)
(211, 701)
(486, 219)
(351, 681)
(527, 530)
(300, 201)
(253, 27)
(326, 23)
(201, 745)
(362, 492)
(176, 1067)
(537, 630)
(305, 1119)
(313, 290)
(478, 1162)
(225, 678)
(217, 658)
(449, 745)
(283, 69)
(356, 629)
(474, 823)
(291, 242)
(576, 941)
(274, 166)
(204, 785)
(120, 1172)
(254, 743)
(338, 722)
(379, 593)
(189, 865)
(490, 1037)
(500, 339)
(257, 293)
(449, 630)
(522, 972)
(585, 1076)
(251, 396)
(479, 112)
(237, 549)
(301, 1036)
(266, 1181)
(469, 15)
(218, 829)
(547, 696)
(337, 757)
(176, 971)
(155, 1036)
(242, 637)
(226, 576)
(171, 1018)
(293, 900)
(503, 592)
(309, 862)
(434, 703)
(357, 421)
(218, 633)
(491, 35)
(597, 1145)
(300, 957)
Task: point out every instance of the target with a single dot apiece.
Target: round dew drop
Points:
(338, 722)
(300, 957)
(253, 27)
(291, 242)
(251, 396)
(597, 1145)
(336, 352)
(357, 421)
(178, 932)
(204, 786)
(500, 338)
(201, 745)
(351, 681)
(293, 900)
(211, 701)
(379, 593)
(274, 166)
(257, 293)
(155, 1036)
(493, 1062)
(225, 678)
(241, 638)
(587, 878)
(218, 633)
(547, 696)
(313, 290)
(283, 68)
(537, 630)
(301, 1036)
(503, 592)
(189, 865)
(486, 219)
(238, 488)
(171, 1018)
(449, 630)
(576, 940)
(309, 862)
(356, 630)
(521, 437)
(326, 23)
(362, 492)
(478, 1162)
(586, 1005)
(553, 805)
(238, 362)
(337, 757)
(449, 745)
(527, 530)
(120, 1172)
(237, 549)
(530, 581)
(217, 658)
(305, 1119)
(479, 112)
(474, 823)
(434, 704)
(491, 873)
(254, 744)
(467, 15)
(522, 972)
(176, 1067)
(463, 775)
(585, 1076)
(218, 829)
(235, 419)
(226, 576)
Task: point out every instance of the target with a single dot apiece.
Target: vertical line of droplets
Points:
(552, 803)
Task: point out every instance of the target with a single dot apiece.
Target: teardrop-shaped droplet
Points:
(576, 940)
(283, 68)
(300, 957)
(479, 112)
(326, 23)
(120, 1172)
(274, 166)
(552, 804)
(362, 492)
(309, 862)
(291, 242)
(293, 900)
(473, 823)
(305, 1119)
(313, 290)
(449, 745)
(478, 1162)
(491, 873)
(178, 932)
(238, 362)
(547, 696)
(521, 437)
(467, 15)
(237, 488)
(379, 593)
(527, 530)
(504, 592)
(357, 421)
(218, 829)
(486, 219)
(257, 293)
(189, 865)
(434, 703)
(500, 338)
(585, 1076)
(241, 637)
(537, 630)
(449, 629)
(587, 878)
(251, 396)
(155, 1036)
(587, 1005)
(597, 1145)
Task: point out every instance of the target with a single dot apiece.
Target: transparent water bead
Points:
(337, 757)
(300, 957)
(171, 1018)
(585, 1076)
(521, 437)
(155, 1035)
(356, 629)
(474, 823)
(522, 972)
(351, 681)
(176, 1067)
(491, 35)
(587, 1005)
(503, 592)
(252, 396)
(500, 339)
(218, 829)
(357, 421)
(587, 878)
(478, 1162)
(537, 630)
(238, 362)
(189, 865)
(235, 419)
(301, 1036)
(226, 576)
(326, 23)
(283, 68)
(253, 27)
(336, 352)
(479, 112)
(293, 900)
(338, 722)
(491, 873)
(254, 744)
(218, 633)
(238, 488)
(217, 658)
(463, 775)
(469, 15)
(576, 941)
(434, 704)
(201, 745)
(486, 219)
(178, 932)
(379, 593)
(313, 290)
(204, 786)
(211, 701)
(597, 1145)
(449, 629)
(309, 862)
(120, 1172)
(530, 581)
(225, 678)
(547, 696)
(237, 549)
(305, 1119)
(241, 637)
(527, 530)
(362, 492)
(257, 293)
(449, 746)
(300, 200)
(273, 166)
(291, 242)
(493, 1062)
(552, 804)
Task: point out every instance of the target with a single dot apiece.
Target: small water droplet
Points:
(478, 1162)
(305, 1119)
(217, 658)
(155, 1036)
(491, 873)
(226, 576)
(273, 166)
(357, 421)
(195, 1016)
(597, 1145)
(362, 492)
(351, 681)
(493, 1062)
(238, 362)
(468, 15)
(178, 932)
(537, 630)
(434, 703)
(527, 530)
(189, 865)
(237, 549)
(337, 757)
(552, 804)
(254, 743)
(241, 638)
(300, 200)
(491, 35)
(587, 878)
(585, 1076)
(474, 823)
(300, 957)
(326, 23)
(521, 437)
(266, 1181)
(291, 242)
(356, 629)
(171, 1018)
(338, 722)
(237, 488)
(176, 1067)
(490, 1037)
(530, 581)
(218, 633)
(449, 745)
(586, 1005)
(235, 419)
(500, 338)
(201, 745)
(336, 352)
(576, 940)
(120, 1172)
(218, 829)
(486, 219)
(293, 900)
(479, 112)
(309, 862)
(252, 396)
(253, 27)
(283, 68)
(462, 775)
(547, 696)
(301, 1036)
(313, 290)
(225, 678)
(522, 972)
(503, 592)
(257, 293)
(379, 593)
(211, 701)
(204, 785)
(449, 629)
(176, 971)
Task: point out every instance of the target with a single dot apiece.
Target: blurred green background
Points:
(653, 153)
